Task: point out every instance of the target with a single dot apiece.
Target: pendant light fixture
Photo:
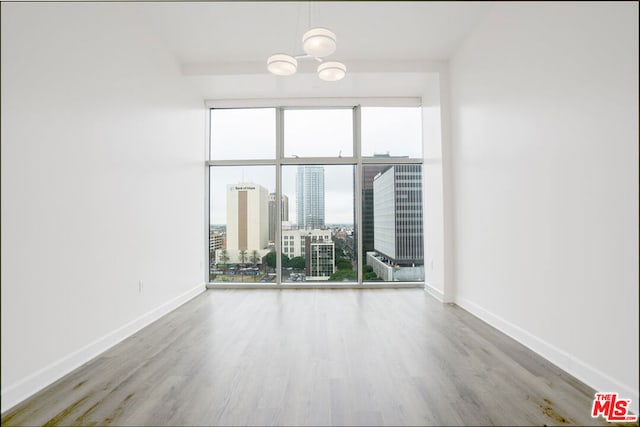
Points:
(317, 43)
(332, 71)
(282, 64)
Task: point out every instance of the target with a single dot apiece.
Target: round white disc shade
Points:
(332, 71)
(282, 65)
(319, 42)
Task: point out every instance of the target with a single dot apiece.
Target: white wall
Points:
(545, 176)
(436, 281)
(102, 186)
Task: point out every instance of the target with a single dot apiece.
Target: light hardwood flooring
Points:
(313, 357)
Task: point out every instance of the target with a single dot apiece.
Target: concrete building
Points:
(293, 241)
(390, 272)
(273, 220)
(369, 172)
(397, 211)
(316, 246)
(310, 197)
(215, 240)
(247, 217)
(320, 259)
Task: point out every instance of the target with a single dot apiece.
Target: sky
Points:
(251, 134)
(338, 189)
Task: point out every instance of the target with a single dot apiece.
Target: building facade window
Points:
(311, 195)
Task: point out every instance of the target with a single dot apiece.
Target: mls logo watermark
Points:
(611, 408)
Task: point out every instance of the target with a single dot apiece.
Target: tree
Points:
(224, 257)
(344, 271)
(370, 276)
(243, 256)
(343, 264)
(343, 276)
(255, 257)
(270, 259)
(298, 262)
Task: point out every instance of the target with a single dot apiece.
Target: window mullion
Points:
(357, 151)
(278, 164)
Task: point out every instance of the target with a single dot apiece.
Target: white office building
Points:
(397, 215)
(293, 241)
(247, 217)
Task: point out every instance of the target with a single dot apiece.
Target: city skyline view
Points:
(336, 195)
(313, 197)
(392, 226)
(245, 249)
(388, 131)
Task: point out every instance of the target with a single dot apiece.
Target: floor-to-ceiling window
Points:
(315, 194)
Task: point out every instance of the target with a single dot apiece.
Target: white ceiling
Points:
(221, 33)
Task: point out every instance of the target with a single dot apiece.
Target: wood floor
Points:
(313, 357)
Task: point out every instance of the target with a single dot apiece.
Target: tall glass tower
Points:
(310, 197)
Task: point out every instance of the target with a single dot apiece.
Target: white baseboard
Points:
(434, 292)
(16, 393)
(586, 373)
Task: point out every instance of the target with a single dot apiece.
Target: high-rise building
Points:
(247, 217)
(369, 172)
(273, 220)
(310, 197)
(397, 215)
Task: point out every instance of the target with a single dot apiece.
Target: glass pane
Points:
(391, 132)
(392, 230)
(239, 247)
(318, 239)
(318, 133)
(243, 133)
